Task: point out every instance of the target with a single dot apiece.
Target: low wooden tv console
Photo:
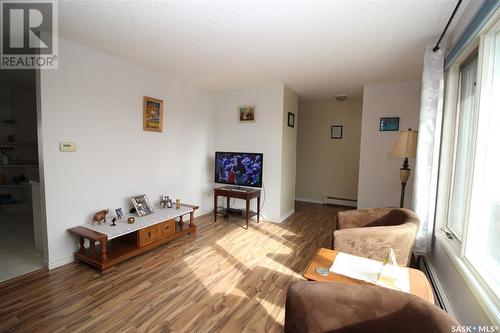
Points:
(109, 245)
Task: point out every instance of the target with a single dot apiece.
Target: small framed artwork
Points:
(336, 132)
(291, 119)
(247, 113)
(389, 124)
(119, 213)
(152, 117)
(142, 205)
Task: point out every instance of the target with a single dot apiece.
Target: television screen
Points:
(241, 169)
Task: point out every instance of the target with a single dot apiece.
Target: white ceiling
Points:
(318, 48)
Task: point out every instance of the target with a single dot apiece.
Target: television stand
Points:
(229, 192)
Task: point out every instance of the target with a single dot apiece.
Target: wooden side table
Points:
(419, 285)
(246, 194)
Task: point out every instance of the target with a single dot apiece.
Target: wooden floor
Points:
(223, 279)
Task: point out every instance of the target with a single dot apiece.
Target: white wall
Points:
(327, 167)
(289, 153)
(379, 183)
(262, 136)
(95, 100)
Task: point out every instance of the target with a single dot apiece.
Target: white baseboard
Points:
(330, 201)
(280, 219)
(309, 200)
(341, 202)
(58, 263)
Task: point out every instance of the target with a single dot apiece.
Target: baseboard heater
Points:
(423, 265)
(340, 201)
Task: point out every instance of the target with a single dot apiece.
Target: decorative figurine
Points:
(169, 202)
(130, 220)
(113, 220)
(177, 203)
(100, 216)
(163, 204)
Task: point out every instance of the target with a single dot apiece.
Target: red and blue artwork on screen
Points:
(240, 169)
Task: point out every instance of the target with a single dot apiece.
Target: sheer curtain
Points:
(426, 169)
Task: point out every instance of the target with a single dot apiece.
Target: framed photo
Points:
(152, 117)
(389, 124)
(119, 213)
(291, 119)
(142, 205)
(336, 132)
(247, 113)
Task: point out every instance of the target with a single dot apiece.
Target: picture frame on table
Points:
(142, 205)
(119, 213)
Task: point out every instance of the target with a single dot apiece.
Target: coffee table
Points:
(419, 285)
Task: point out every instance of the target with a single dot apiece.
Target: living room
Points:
(147, 99)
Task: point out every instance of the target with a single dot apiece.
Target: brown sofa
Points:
(341, 308)
(370, 232)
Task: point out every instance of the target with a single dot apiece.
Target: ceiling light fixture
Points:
(341, 97)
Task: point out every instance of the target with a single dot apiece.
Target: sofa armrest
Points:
(374, 242)
(313, 307)
(360, 217)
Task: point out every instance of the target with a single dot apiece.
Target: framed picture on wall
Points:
(152, 117)
(246, 113)
(291, 119)
(336, 132)
(389, 124)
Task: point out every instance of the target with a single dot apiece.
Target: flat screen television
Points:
(240, 169)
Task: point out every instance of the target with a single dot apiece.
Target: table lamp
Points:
(405, 147)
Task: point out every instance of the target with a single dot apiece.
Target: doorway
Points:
(21, 230)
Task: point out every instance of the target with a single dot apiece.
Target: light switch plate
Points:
(67, 146)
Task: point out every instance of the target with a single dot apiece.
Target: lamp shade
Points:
(406, 146)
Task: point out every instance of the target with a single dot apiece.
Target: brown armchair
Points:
(370, 232)
(314, 307)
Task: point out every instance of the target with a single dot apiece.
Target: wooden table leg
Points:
(92, 248)
(104, 256)
(181, 222)
(191, 219)
(215, 207)
(227, 206)
(258, 208)
(81, 240)
(247, 212)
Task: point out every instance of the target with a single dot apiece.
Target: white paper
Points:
(368, 270)
(355, 267)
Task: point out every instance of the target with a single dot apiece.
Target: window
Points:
(469, 186)
(464, 146)
(483, 242)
